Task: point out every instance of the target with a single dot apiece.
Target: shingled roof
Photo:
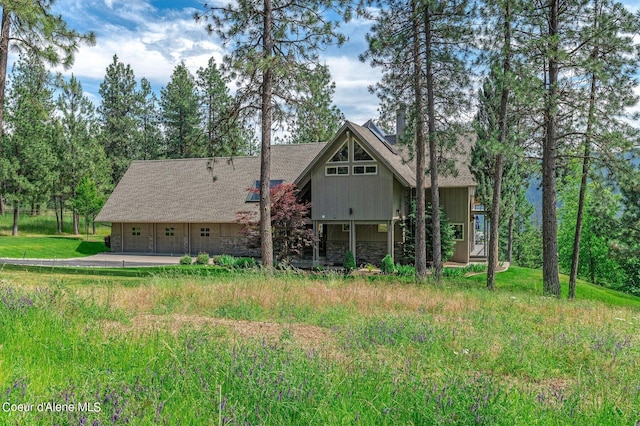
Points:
(198, 190)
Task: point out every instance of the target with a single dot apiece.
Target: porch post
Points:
(390, 238)
(352, 239)
(316, 242)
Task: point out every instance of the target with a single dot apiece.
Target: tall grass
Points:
(259, 349)
(44, 224)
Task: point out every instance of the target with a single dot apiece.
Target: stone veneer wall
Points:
(366, 252)
(237, 246)
(336, 251)
(370, 252)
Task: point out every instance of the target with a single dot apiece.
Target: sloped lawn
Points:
(49, 247)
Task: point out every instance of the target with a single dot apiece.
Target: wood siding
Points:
(351, 197)
(456, 204)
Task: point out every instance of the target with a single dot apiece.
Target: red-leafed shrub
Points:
(288, 223)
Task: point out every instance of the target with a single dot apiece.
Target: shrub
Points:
(387, 266)
(453, 272)
(349, 261)
(245, 263)
(405, 270)
(225, 260)
(186, 260)
(202, 259)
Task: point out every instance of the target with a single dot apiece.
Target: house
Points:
(359, 184)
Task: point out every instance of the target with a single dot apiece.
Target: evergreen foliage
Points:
(27, 166)
(180, 114)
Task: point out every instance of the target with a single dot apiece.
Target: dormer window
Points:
(342, 156)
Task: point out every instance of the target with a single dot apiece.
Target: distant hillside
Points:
(534, 192)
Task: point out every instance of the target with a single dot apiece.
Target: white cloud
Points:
(153, 45)
(154, 41)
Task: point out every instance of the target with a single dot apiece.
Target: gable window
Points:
(205, 232)
(254, 192)
(359, 154)
(365, 170)
(135, 231)
(336, 170)
(342, 155)
(169, 232)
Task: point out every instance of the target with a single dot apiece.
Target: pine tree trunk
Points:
(510, 243)
(4, 58)
(494, 226)
(4, 61)
(575, 254)
(266, 239)
(55, 209)
(420, 229)
(550, 273)
(16, 217)
(433, 150)
(61, 215)
(76, 222)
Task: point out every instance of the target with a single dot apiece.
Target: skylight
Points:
(254, 193)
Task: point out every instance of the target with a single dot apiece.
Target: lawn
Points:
(524, 280)
(49, 247)
(38, 238)
(247, 348)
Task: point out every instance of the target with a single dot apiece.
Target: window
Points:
(336, 170)
(169, 232)
(383, 227)
(345, 227)
(254, 192)
(458, 231)
(342, 155)
(135, 231)
(365, 170)
(205, 232)
(359, 154)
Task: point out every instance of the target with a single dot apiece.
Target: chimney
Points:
(401, 115)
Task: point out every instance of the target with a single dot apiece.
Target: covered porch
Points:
(369, 241)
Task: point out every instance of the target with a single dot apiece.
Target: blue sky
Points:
(153, 36)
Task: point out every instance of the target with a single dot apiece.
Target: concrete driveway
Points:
(102, 260)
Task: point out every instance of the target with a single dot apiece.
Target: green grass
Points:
(248, 348)
(524, 280)
(49, 247)
(43, 224)
(38, 238)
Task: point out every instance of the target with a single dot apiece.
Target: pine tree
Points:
(78, 152)
(28, 162)
(608, 64)
(273, 44)
(119, 114)
(180, 113)
(420, 46)
(316, 118)
(148, 118)
(30, 27)
(224, 133)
